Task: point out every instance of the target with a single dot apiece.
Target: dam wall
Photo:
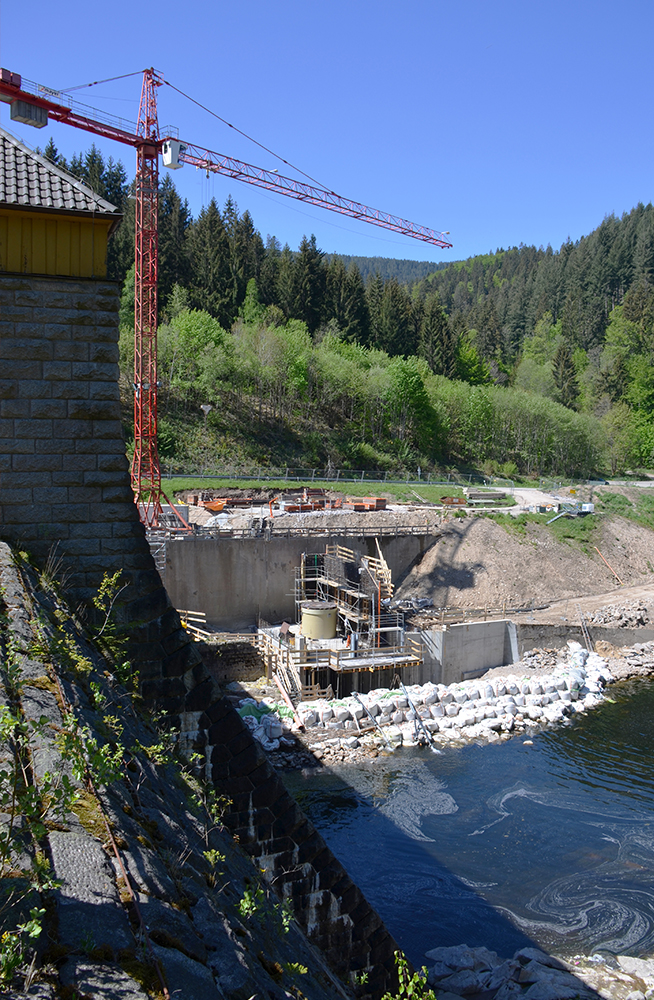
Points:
(236, 581)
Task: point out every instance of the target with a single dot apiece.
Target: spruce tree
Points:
(211, 279)
(565, 376)
(310, 284)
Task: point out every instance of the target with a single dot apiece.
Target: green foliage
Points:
(412, 986)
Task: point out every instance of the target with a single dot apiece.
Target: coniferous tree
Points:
(286, 282)
(435, 344)
(357, 318)
(309, 302)
(211, 279)
(269, 272)
(565, 376)
(174, 223)
(374, 295)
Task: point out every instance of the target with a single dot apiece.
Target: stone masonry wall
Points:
(64, 479)
(233, 661)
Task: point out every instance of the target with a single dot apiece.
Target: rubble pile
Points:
(633, 615)
(461, 971)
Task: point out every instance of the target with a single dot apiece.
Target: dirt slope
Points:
(479, 563)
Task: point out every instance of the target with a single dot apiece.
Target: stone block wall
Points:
(64, 479)
(232, 661)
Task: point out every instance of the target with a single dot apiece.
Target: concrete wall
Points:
(457, 652)
(236, 580)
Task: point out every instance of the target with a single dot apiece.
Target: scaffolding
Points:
(361, 588)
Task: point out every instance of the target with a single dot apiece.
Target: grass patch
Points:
(642, 511)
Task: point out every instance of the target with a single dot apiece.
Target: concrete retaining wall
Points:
(236, 580)
(457, 652)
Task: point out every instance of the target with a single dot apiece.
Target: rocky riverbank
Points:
(531, 974)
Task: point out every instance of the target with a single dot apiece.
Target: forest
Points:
(527, 361)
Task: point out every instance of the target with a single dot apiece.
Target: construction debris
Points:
(633, 615)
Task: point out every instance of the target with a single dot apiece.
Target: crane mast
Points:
(146, 470)
(33, 104)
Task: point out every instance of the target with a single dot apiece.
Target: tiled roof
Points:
(28, 180)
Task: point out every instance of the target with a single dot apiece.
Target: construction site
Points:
(343, 595)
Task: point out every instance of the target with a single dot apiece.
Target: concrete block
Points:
(98, 409)
(84, 494)
(107, 429)
(70, 513)
(22, 514)
(28, 297)
(40, 408)
(33, 429)
(106, 353)
(10, 408)
(50, 495)
(89, 530)
(132, 529)
(70, 390)
(97, 478)
(37, 463)
(57, 371)
(79, 463)
(113, 463)
(23, 480)
(71, 350)
(97, 372)
(75, 429)
(36, 349)
(9, 496)
(22, 369)
(118, 493)
(6, 428)
(99, 332)
(52, 532)
(101, 446)
(11, 446)
(8, 388)
(67, 479)
(104, 390)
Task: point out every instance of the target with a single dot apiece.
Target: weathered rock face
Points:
(164, 888)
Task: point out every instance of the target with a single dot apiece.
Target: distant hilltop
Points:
(405, 271)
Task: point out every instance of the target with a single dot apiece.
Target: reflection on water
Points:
(557, 837)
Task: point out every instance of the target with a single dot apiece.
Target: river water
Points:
(508, 843)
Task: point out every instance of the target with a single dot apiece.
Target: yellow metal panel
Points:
(38, 246)
(74, 239)
(63, 247)
(3, 242)
(51, 246)
(44, 243)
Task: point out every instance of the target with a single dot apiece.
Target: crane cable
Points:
(124, 76)
(246, 136)
(110, 79)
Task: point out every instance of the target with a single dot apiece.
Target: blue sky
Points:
(503, 122)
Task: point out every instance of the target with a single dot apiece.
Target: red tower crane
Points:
(33, 104)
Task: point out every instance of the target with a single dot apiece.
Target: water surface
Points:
(506, 843)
